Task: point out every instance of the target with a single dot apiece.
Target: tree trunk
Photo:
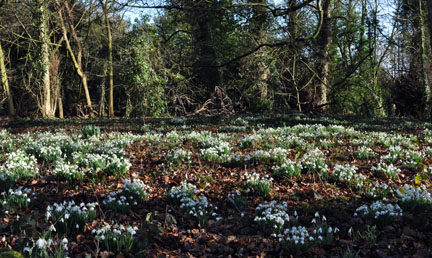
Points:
(200, 18)
(102, 99)
(110, 60)
(60, 103)
(377, 61)
(259, 34)
(429, 15)
(46, 85)
(77, 60)
(324, 44)
(5, 83)
(425, 81)
(56, 99)
(293, 35)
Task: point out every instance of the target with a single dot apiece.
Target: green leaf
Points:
(148, 216)
(420, 178)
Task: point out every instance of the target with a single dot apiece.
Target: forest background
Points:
(69, 58)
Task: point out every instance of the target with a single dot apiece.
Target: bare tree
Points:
(5, 82)
(106, 6)
(69, 22)
(425, 81)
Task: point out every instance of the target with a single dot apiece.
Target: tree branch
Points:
(175, 33)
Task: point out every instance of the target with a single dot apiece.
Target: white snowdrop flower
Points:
(320, 237)
(218, 218)
(52, 228)
(316, 215)
(41, 243)
(77, 226)
(324, 218)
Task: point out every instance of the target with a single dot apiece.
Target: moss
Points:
(9, 254)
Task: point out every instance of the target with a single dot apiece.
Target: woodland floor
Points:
(165, 230)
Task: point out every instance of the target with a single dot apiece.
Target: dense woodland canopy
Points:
(87, 58)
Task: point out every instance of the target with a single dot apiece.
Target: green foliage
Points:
(21, 165)
(148, 77)
(259, 184)
(67, 217)
(369, 236)
(90, 131)
(117, 237)
(349, 253)
(10, 254)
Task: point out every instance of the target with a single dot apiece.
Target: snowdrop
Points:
(272, 215)
(65, 171)
(260, 184)
(178, 156)
(348, 174)
(388, 169)
(21, 165)
(378, 210)
(315, 162)
(116, 238)
(288, 168)
(17, 198)
(414, 198)
(70, 217)
(135, 189)
(195, 206)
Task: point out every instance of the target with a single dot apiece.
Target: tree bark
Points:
(200, 18)
(47, 110)
(5, 83)
(425, 81)
(259, 34)
(76, 59)
(110, 59)
(324, 41)
(60, 103)
(429, 16)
